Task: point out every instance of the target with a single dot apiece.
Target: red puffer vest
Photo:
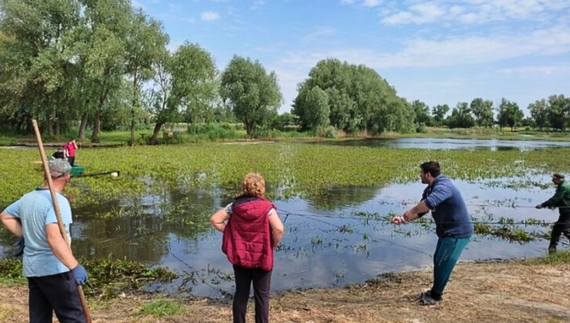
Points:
(247, 236)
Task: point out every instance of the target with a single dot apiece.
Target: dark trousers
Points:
(445, 257)
(71, 160)
(55, 293)
(261, 284)
(562, 226)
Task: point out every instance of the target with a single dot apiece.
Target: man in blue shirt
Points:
(52, 271)
(453, 225)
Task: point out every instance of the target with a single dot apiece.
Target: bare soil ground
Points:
(478, 292)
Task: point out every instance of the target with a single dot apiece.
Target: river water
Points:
(338, 238)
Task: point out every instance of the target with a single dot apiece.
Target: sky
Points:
(436, 51)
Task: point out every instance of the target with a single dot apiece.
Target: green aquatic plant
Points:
(107, 277)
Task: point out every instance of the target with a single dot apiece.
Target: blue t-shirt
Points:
(35, 210)
(448, 209)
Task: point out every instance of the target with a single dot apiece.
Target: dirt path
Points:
(478, 292)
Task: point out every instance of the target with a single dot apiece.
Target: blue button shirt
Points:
(448, 209)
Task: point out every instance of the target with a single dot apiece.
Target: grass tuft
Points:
(162, 308)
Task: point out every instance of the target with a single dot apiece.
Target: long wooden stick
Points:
(58, 211)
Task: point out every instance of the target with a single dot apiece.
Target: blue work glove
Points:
(80, 274)
(20, 244)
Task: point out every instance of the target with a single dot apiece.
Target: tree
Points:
(37, 60)
(358, 99)
(252, 94)
(422, 113)
(539, 112)
(184, 79)
(461, 117)
(509, 114)
(483, 112)
(439, 112)
(285, 122)
(558, 111)
(318, 114)
(103, 59)
(145, 45)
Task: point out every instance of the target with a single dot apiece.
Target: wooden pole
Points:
(58, 211)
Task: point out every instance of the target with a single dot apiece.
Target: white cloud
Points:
(371, 3)
(452, 51)
(472, 11)
(533, 71)
(209, 16)
(319, 33)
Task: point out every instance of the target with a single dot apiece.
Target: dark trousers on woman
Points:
(71, 160)
(55, 293)
(562, 226)
(261, 280)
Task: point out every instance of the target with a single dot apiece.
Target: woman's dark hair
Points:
(430, 167)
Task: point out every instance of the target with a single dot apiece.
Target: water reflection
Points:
(447, 143)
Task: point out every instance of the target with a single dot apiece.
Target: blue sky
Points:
(437, 51)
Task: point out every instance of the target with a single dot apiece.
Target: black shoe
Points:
(429, 298)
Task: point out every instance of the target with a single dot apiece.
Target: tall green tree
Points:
(482, 110)
(558, 111)
(318, 115)
(103, 58)
(539, 112)
(183, 79)
(509, 114)
(461, 117)
(251, 92)
(359, 99)
(422, 112)
(37, 60)
(145, 45)
(438, 112)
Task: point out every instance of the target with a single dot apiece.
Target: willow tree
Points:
(358, 99)
(182, 80)
(37, 62)
(250, 92)
(104, 56)
(509, 114)
(146, 44)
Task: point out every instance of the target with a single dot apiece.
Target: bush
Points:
(215, 131)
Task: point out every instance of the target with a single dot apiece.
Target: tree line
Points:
(100, 64)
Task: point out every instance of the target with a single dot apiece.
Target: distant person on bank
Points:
(453, 225)
(560, 200)
(251, 231)
(69, 151)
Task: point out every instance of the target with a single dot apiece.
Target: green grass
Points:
(557, 258)
(162, 308)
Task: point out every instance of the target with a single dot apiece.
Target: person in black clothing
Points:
(58, 154)
(560, 200)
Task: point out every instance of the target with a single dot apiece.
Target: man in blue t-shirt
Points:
(52, 271)
(453, 225)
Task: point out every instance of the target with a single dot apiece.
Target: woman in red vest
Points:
(252, 230)
(69, 151)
